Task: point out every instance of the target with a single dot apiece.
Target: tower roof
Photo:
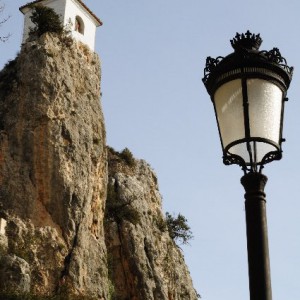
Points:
(98, 21)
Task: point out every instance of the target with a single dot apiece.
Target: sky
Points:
(153, 54)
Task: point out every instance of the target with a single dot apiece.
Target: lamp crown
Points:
(248, 40)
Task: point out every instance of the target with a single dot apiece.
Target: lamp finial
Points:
(248, 40)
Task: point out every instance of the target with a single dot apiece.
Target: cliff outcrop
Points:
(144, 262)
(69, 225)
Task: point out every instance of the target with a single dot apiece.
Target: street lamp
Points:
(248, 90)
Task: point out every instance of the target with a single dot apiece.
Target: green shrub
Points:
(122, 162)
(45, 19)
(117, 210)
(178, 228)
(127, 156)
(9, 76)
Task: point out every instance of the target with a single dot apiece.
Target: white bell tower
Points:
(83, 21)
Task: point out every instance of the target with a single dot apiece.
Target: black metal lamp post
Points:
(248, 90)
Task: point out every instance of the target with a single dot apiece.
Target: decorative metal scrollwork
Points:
(211, 64)
(274, 56)
(232, 159)
(274, 155)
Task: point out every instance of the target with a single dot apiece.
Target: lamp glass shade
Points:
(265, 105)
(228, 102)
(250, 128)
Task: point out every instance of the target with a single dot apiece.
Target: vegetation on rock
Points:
(9, 77)
(125, 155)
(118, 210)
(45, 20)
(178, 228)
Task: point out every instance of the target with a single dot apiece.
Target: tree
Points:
(3, 38)
(178, 228)
(45, 19)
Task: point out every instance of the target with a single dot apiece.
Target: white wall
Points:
(73, 9)
(68, 10)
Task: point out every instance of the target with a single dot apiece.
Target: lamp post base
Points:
(257, 236)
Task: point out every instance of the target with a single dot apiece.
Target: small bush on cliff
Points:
(45, 19)
(178, 228)
(128, 157)
(118, 210)
(9, 76)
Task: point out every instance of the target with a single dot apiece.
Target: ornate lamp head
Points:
(248, 89)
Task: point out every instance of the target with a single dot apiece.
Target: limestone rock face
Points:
(70, 227)
(143, 260)
(53, 168)
(14, 273)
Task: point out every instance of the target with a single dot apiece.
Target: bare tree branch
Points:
(6, 37)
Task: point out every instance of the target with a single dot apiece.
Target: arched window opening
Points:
(79, 25)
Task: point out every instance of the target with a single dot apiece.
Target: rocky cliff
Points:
(76, 221)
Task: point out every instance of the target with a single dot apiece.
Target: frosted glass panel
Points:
(229, 108)
(258, 151)
(241, 151)
(265, 104)
(263, 149)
